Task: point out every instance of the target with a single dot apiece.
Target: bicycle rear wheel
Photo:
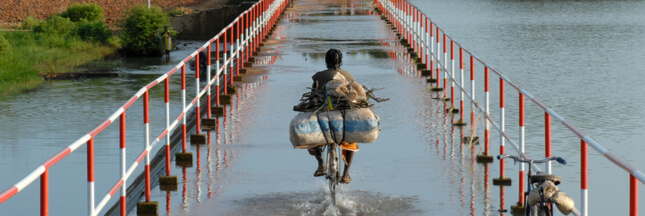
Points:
(333, 172)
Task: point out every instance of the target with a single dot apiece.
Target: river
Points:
(582, 58)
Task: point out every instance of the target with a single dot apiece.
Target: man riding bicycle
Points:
(333, 60)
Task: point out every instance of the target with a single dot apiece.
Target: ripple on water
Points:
(355, 202)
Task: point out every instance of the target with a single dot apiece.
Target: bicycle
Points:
(538, 199)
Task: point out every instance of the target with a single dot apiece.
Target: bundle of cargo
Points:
(312, 129)
(340, 112)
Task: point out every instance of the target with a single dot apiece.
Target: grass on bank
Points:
(29, 56)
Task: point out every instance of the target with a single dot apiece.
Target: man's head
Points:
(334, 59)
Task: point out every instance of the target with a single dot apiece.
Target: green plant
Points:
(90, 12)
(4, 44)
(95, 31)
(30, 22)
(142, 29)
(176, 12)
(55, 25)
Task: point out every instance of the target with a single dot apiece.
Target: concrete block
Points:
(198, 139)
(225, 99)
(460, 123)
(209, 124)
(484, 158)
(248, 64)
(237, 78)
(231, 90)
(184, 159)
(147, 207)
(217, 111)
(436, 89)
(502, 181)
(426, 73)
(168, 183)
(421, 66)
(431, 80)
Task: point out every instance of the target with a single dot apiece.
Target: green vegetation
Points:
(142, 30)
(75, 40)
(88, 12)
(56, 45)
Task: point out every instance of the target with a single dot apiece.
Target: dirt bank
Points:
(12, 12)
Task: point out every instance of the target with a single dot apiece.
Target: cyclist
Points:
(333, 59)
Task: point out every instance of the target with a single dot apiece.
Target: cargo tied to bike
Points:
(339, 112)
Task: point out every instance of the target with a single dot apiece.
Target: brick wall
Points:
(14, 11)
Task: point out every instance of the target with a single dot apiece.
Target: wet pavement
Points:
(418, 166)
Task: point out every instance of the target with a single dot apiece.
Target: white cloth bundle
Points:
(309, 129)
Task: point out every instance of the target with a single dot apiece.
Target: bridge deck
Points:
(418, 166)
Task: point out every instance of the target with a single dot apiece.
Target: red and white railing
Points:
(237, 42)
(419, 31)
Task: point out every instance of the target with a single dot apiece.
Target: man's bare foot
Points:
(345, 179)
(320, 171)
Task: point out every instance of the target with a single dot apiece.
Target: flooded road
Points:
(418, 166)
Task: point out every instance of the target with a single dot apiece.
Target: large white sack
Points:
(309, 130)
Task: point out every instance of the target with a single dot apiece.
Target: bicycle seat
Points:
(544, 177)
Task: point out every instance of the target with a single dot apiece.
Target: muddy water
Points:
(418, 166)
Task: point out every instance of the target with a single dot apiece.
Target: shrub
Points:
(95, 31)
(4, 44)
(90, 12)
(55, 25)
(30, 22)
(142, 29)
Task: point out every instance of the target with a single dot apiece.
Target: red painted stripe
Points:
(100, 128)
(181, 115)
(4, 196)
(208, 54)
(141, 156)
(521, 110)
(486, 81)
(183, 77)
(633, 196)
(547, 135)
(452, 50)
(197, 67)
(152, 84)
(146, 118)
(167, 90)
(501, 92)
(116, 187)
(122, 139)
(163, 134)
(472, 68)
(53, 160)
(130, 102)
(171, 72)
(90, 160)
(461, 59)
(123, 206)
(583, 165)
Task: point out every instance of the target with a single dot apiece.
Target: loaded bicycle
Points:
(542, 191)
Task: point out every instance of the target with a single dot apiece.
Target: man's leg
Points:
(348, 162)
(317, 152)
(348, 155)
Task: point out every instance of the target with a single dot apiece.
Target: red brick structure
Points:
(14, 11)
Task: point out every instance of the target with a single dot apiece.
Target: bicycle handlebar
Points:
(516, 159)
